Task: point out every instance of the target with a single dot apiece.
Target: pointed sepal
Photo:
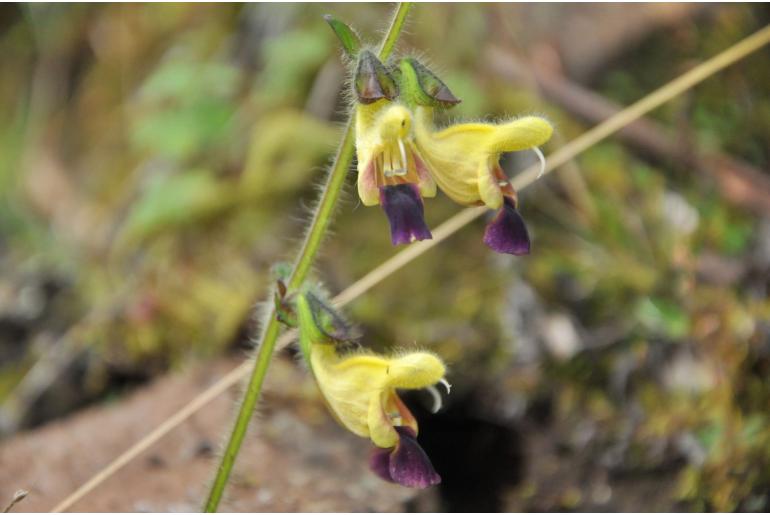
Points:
(423, 87)
(319, 323)
(347, 36)
(372, 81)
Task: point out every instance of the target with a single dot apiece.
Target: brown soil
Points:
(296, 458)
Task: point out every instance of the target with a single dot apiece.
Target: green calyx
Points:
(319, 323)
(309, 332)
(422, 87)
(372, 81)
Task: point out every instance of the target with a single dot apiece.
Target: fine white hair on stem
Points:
(541, 157)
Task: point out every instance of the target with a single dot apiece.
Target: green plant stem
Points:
(313, 238)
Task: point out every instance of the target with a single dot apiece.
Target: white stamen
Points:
(502, 184)
(437, 403)
(446, 385)
(395, 417)
(541, 157)
(392, 171)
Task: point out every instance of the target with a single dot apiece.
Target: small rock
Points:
(679, 213)
(560, 336)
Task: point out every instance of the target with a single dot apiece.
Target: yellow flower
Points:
(360, 389)
(464, 160)
(390, 170)
(386, 152)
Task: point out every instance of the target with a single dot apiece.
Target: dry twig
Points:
(18, 496)
(740, 183)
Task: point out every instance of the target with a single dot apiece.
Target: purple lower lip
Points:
(406, 463)
(507, 233)
(403, 206)
(409, 465)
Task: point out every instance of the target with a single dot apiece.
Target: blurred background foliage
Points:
(155, 160)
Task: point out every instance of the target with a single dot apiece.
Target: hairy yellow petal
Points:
(472, 136)
(360, 388)
(394, 122)
(520, 134)
(381, 430)
(452, 161)
(462, 157)
(425, 180)
(415, 370)
(366, 115)
(367, 184)
(489, 189)
(382, 128)
(368, 146)
(349, 385)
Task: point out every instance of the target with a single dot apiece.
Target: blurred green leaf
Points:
(276, 163)
(290, 62)
(709, 436)
(663, 316)
(184, 108)
(176, 200)
(753, 428)
(179, 133)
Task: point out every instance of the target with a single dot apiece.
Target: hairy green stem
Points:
(313, 238)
